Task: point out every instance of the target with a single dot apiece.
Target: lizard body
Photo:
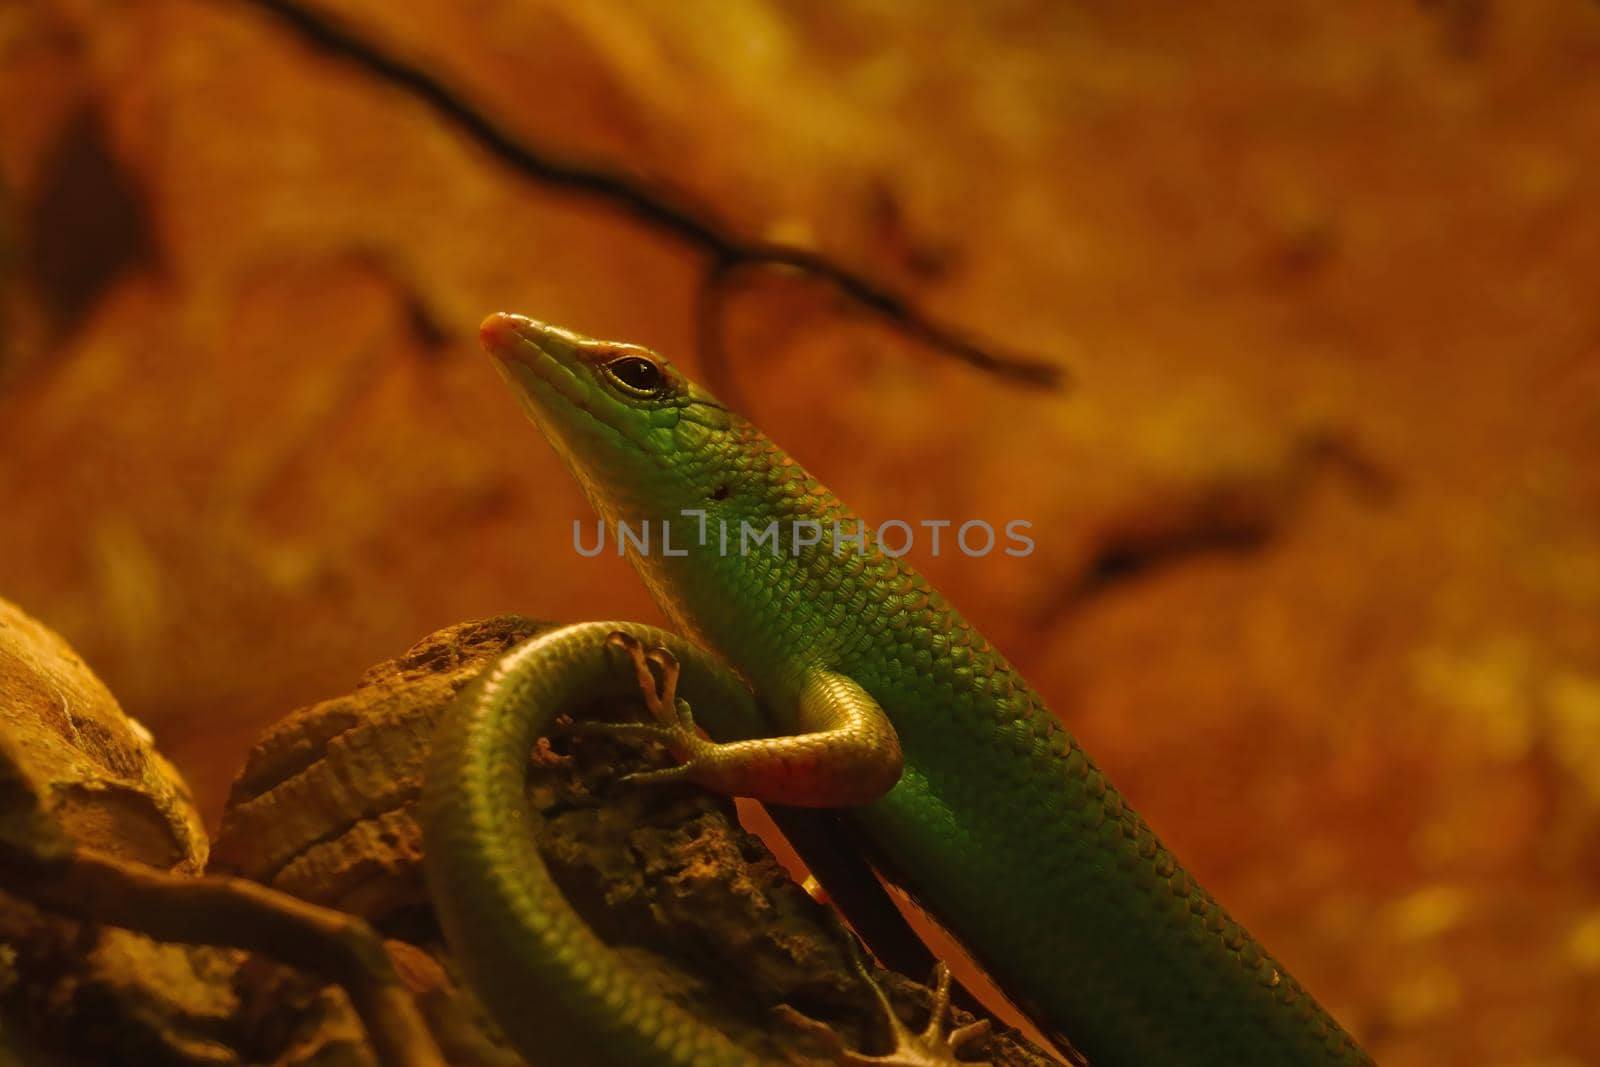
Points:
(876, 695)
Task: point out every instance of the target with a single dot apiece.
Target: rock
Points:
(95, 770)
(75, 768)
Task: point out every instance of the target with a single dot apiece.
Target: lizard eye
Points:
(636, 374)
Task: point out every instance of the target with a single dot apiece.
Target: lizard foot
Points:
(673, 724)
(931, 1048)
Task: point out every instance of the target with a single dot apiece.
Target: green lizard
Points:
(870, 693)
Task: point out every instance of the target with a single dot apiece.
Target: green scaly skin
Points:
(1000, 825)
(555, 989)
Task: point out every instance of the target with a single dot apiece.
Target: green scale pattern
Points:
(1000, 826)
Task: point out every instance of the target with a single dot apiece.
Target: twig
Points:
(654, 208)
(93, 886)
(1234, 513)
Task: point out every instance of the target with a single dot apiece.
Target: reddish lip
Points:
(501, 333)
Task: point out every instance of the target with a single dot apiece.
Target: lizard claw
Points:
(673, 726)
(660, 697)
(931, 1048)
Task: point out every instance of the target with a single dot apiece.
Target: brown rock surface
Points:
(96, 772)
(100, 848)
(75, 767)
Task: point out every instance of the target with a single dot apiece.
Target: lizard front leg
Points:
(848, 755)
(845, 752)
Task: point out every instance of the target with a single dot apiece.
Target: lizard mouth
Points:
(545, 367)
(532, 353)
(519, 339)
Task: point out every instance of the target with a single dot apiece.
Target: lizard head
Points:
(643, 440)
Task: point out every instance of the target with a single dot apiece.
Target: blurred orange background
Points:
(1317, 575)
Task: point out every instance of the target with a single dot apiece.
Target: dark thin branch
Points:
(1231, 514)
(652, 206)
